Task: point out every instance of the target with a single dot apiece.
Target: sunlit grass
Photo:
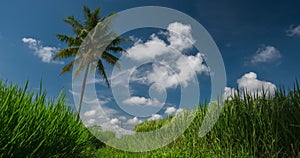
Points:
(248, 127)
(30, 126)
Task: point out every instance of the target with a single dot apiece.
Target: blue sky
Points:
(259, 40)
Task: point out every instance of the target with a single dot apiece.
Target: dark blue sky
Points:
(260, 36)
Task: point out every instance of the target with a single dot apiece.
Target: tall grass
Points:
(31, 126)
(249, 126)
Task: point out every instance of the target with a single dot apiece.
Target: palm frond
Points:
(101, 70)
(71, 41)
(77, 27)
(96, 13)
(120, 40)
(83, 33)
(111, 59)
(92, 19)
(66, 53)
(102, 26)
(90, 44)
(101, 31)
(116, 50)
(67, 67)
(101, 43)
(114, 45)
(87, 12)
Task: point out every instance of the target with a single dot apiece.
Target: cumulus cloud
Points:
(108, 120)
(179, 111)
(90, 122)
(134, 121)
(266, 54)
(180, 36)
(45, 53)
(173, 111)
(122, 118)
(250, 83)
(155, 117)
(96, 101)
(101, 114)
(293, 31)
(149, 50)
(229, 93)
(181, 71)
(115, 121)
(170, 110)
(172, 67)
(135, 100)
(89, 113)
(104, 100)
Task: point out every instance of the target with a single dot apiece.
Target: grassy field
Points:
(248, 127)
(30, 126)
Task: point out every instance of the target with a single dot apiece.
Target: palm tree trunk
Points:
(82, 90)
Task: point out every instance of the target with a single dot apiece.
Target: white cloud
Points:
(103, 119)
(181, 68)
(180, 36)
(229, 93)
(173, 110)
(253, 86)
(135, 100)
(182, 71)
(90, 113)
(122, 118)
(190, 66)
(134, 121)
(155, 117)
(266, 54)
(250, 83)
(90, 122)
(293, 31)
(170, 110)
(149, 50)
(96, 101)
(120, 78)
(115, 121)
(108, 126)
(179, 111)
(45, 53)
(163, 76)
(104, 100)
(95, 80)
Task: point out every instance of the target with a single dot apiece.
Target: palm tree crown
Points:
(91, 46)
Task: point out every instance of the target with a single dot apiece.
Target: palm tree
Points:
(92, 43)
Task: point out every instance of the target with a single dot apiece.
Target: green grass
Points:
(247, 127)
(31, 126)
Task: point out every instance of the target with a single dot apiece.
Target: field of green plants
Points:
(32, 125)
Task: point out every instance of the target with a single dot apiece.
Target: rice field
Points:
(31, 125)
(249, 126)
